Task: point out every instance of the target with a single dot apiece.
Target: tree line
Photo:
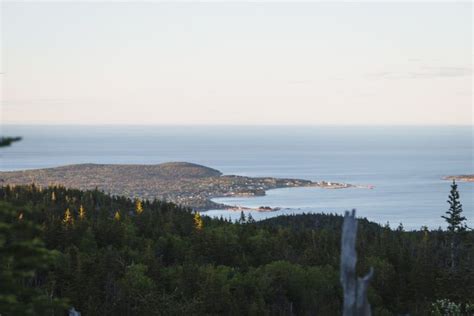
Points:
(105, 255)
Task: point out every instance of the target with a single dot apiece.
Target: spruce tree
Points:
(138, 207)
(250, 219)
(24, 261)
(82, 212)
(455, 220)
(242, 218)
(198, 223)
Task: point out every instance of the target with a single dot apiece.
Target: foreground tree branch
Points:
(6, 141)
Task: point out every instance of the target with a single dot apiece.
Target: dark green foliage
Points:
(7, 141)
(25, 288)
(459, 246)
(158, 263)
(454, 218)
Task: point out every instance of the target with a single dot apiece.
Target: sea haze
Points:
(405, 164)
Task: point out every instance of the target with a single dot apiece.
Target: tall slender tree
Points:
(138, 207)
(198, 224)
(242, 218)
(455, 219)
(82, 212)
(68, 219)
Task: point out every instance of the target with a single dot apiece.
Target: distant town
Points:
(183, 183)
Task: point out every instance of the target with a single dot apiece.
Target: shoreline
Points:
(460, 178)
(266, 209)
(186, 184)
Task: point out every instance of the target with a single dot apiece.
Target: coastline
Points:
(186, 184)
(461, 178)
(264, 209)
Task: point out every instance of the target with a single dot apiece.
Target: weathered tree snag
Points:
(355, 289)
(363, 306)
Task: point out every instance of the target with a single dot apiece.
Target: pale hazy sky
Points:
(240, 63)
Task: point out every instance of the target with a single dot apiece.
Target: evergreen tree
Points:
(138, 207)
(68, 219)
(82, 212)
(198, 224)
(455, 220)
(23, 259)
(242, 218)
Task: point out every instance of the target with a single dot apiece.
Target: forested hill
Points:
(182, 183)
(168, 170)
(108, 255)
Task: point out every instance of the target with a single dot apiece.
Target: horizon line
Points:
(234, 125)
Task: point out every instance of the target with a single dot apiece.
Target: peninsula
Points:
(183, 183)
(461, 178)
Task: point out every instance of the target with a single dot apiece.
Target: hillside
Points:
(110, 259)
(165, 171)
(183, 183)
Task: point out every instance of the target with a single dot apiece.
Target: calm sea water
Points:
(405, 164)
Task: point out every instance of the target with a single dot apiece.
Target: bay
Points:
(405, 164)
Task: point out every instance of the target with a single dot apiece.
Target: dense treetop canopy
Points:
(114, 255)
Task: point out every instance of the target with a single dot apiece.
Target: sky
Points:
(311, 63)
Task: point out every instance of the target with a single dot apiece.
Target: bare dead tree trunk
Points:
(355, 289)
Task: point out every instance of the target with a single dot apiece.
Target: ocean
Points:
(404, 164)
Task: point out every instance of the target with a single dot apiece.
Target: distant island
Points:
(462, 178)
(183, 183)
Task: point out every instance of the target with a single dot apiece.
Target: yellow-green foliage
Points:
(198, 224)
